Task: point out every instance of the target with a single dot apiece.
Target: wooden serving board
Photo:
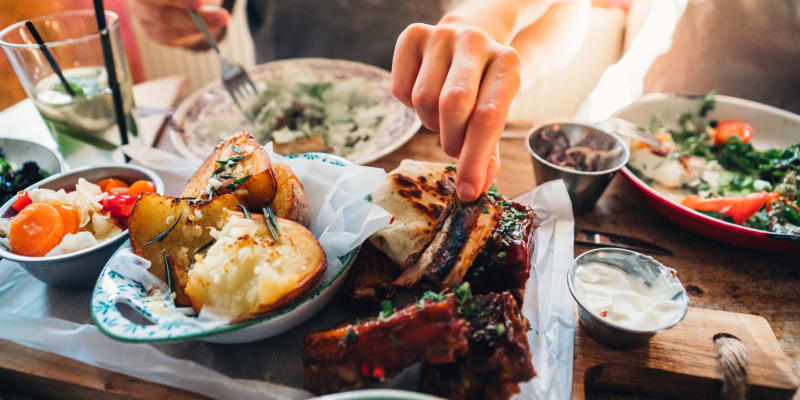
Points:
(682, 362)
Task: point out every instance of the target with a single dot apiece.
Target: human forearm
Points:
(553, 40)
(499, 19)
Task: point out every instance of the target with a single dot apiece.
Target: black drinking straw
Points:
(48, 56)
(108, 56)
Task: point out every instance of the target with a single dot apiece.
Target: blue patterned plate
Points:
(126, 282)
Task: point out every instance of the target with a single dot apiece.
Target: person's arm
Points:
(551, 42)
(461, 76)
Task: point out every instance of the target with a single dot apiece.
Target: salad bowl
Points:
(78, 270)
(773, 127)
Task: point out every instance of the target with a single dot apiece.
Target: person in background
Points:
(460, 74)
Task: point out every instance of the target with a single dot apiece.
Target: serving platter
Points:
(774, 128)
(127, 281)
(194, 136)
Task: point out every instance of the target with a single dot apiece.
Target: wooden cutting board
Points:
(682, 362)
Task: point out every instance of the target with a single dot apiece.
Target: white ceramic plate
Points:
(194, 137)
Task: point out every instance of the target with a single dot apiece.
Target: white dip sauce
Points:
(624, 299)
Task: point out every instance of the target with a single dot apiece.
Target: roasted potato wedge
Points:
(246, 272)
(153, 214)
(238, 165)
(290, 200)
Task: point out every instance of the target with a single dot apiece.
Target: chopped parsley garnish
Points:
(386, 309)
(463, 294)
(501, 329)
(450, 168)
(484, 210)
(349, 336)
(432, 296)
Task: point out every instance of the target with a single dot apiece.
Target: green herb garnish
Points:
(205, 246)
(165, 232)
(450, 168)
(236, 149)
(432, 296)
(269, 221)
(500, 329)
(272, 218)
(167, 271)
(244, 210)
(238, 182)
(386, 309)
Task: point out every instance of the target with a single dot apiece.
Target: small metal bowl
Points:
(19, 151)
(77, 270)
(584, 187)
(605, 331)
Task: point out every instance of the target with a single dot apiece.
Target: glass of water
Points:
(84, 124)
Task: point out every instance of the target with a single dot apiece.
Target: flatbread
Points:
(418, 195)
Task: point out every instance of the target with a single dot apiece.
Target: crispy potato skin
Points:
(290, 200)
(303, 243)
(256, 191)
(153, 213)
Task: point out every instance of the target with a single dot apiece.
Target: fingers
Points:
(173, 26)
(430, 79)
(407, 61)
(485, 124)
(460, 90)
(185, 4)
(494, 168)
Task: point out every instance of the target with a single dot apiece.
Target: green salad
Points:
(710, 166)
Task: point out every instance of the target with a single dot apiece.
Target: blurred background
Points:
(613, 22)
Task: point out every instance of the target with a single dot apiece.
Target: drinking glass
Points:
(83, 125)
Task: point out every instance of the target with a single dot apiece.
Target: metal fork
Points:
(235, 79)
(631, 130)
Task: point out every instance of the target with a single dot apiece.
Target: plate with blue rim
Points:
(116, 286)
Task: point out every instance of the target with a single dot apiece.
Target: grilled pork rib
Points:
(498, 359)
(347, 357)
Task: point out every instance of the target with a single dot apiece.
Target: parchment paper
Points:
(58, 321)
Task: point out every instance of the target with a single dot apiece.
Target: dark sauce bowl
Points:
(584, 187)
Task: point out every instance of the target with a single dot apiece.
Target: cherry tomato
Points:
(108, 184)
(119, 206)
(728, 129)
(140, 187)
(23, 200)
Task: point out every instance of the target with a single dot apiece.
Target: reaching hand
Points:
(167, 21)
(461, 83)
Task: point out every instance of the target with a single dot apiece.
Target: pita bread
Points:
(419, 196)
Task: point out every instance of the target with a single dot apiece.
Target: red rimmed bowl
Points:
(773, 128)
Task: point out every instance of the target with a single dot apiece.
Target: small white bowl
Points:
(77, 270)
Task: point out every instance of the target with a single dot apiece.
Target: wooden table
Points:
(716, 275)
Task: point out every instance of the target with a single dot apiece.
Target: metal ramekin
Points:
(605, 331)
(584, 187)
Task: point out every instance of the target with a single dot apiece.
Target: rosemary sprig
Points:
(269, 221)
(244, 210)
(221, 168)
(272, 218)
(167, 271)
(205, 246)
(238, 182)
(165, 232)
(227, 176)
(234, 159)
(236, 149)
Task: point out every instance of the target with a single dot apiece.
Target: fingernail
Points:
(466, 191)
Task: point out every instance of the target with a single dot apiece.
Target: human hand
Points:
(168, 22)
(461, 84)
